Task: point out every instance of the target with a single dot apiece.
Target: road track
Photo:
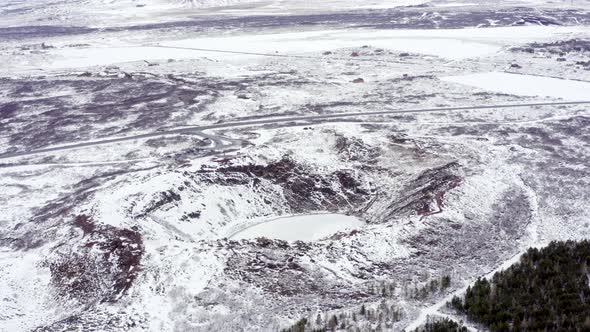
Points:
(198, 130)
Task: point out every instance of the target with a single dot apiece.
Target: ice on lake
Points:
(525, 85)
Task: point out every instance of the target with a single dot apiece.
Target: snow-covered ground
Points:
(241, 49)
(101, 13)
(233, 203)
(300, 228)
(525, 85)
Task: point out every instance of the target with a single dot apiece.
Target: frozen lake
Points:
(452, 44)
(525, 85)
(308, 227)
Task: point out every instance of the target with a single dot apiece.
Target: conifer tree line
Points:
(381, 318)
(441, 325)
(548, 290)
(372, 318)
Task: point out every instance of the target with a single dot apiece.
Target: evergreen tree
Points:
(546, 291)
(333, 323)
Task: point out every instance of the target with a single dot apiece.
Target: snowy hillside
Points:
(175, 166)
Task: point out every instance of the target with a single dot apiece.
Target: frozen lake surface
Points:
(452, 44)
(308, 227)
(525, 85)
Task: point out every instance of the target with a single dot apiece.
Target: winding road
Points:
(199, 130)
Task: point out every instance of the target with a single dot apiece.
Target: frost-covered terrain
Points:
(238, 165)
